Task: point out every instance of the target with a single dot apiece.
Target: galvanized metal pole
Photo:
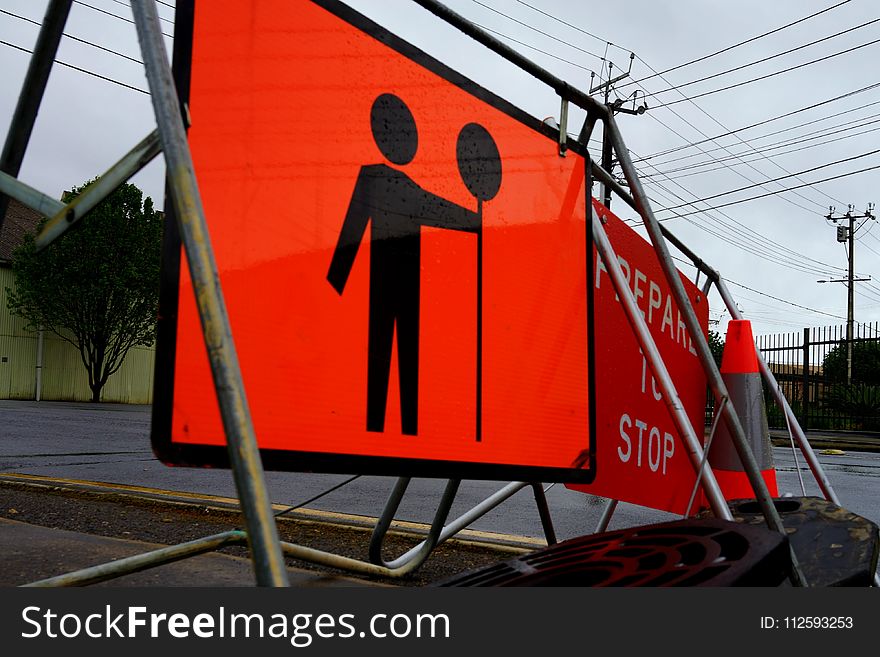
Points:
(133, 161)
(140, 562)
(410, 561)
(27, 195)
(605, 520)
(544, 513)
(244, 454)
(478, 34)
(31, 95)
(693, 327)
(759, 486)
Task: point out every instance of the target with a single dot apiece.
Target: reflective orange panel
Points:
(403, 262)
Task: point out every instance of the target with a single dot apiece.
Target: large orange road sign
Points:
(641, 457)
(403, 257)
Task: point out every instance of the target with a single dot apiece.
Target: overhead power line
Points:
(737, 156)
(737, 45)
(74, 38)
(575, 27)
(835, 140)
(531, 27)
(764, 150)
(727, 148)
(849, 94)
(790, 303)
(789, 129)
(531, 47)
(769, 75)
(799, 173)
(765, 59)
(81, 70)
(744, 237)
(739, 173)
(110, 13)
(787, 189)
(737, 234)
(750, 146)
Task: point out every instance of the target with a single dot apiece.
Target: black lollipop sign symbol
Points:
(479, 164)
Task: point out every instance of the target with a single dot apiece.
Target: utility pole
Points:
(614, 108)
(847, 234)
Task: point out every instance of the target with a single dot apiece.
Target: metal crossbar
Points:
(132, 162)
(29, 99)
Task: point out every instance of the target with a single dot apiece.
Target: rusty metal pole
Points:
(31, 95)
(244, 454)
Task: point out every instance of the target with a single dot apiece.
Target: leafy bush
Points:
(859, 401)
(865, 363)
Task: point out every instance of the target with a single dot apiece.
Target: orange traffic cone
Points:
(739, 371)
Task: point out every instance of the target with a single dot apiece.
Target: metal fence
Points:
(829, 386)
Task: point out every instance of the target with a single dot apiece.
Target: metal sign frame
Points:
(261, 534)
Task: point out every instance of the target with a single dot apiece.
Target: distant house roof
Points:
(20, 220)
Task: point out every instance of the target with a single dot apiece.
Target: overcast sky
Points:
(779, 245)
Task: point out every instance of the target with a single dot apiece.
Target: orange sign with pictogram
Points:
(403, 257)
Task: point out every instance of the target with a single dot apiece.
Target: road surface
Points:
(110, 443)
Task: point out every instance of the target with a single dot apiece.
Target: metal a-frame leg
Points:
(794, 427)
(262, 533)
(439, 531)
(797, 433)
(607, 513)
(411, 560)
(244, 454)
(31, 95)
(759, 486)
(693, 445)
(726, 409)
(715, 278)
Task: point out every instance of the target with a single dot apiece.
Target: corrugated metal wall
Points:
(64, 376)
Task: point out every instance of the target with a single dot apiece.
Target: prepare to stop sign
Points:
(640, 454)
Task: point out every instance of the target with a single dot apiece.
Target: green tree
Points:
(865, 363)
(716, 346)
(97, 286)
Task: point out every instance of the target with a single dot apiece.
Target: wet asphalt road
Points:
(110, 443)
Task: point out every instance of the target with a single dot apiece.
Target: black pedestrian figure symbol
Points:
(396, 208)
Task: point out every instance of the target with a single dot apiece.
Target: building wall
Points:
(64, 377)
